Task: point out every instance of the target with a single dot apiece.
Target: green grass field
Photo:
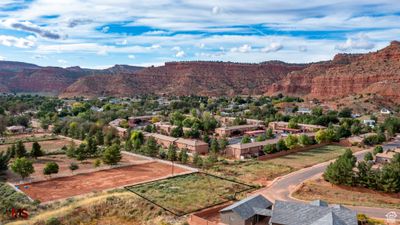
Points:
(189, 193)
(260, 172)
(311, 157)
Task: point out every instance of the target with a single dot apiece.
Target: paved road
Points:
(284, 186)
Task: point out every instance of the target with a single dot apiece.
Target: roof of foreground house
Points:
(316, 213)
(248, 207)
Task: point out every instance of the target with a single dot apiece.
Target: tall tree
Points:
(20, 150)
(50, 168)
(36, 150)
(171, 154)
(4, 159)
(23, 167)
(112, 155)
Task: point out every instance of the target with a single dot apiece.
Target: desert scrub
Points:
(10, 198)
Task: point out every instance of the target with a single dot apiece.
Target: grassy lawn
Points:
(311, 157)
(320, 189)
(188, 193)
(262, 172)
(251, 171)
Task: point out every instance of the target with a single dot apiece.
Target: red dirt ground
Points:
(66, 187)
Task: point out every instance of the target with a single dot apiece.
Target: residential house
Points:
(122, 132)
(135, 120)
(249, 211)
(16, 129)
(247, 150)
(315, 213)
(370, 123)
(166, 128)
(163, 140)
(192, 145)
(280, 126)
(235, 130)
(385, 111)
(304, 111)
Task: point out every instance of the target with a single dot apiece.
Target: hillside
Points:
(186, 78)
(24, 77)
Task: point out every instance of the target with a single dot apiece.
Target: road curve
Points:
(282, 188)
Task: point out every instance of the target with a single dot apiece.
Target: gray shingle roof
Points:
(317, 213)
(248, 207)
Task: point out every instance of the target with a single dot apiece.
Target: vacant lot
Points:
(60, 188)
(47, 146)
(259, 172)
(320, 189)
(263, 172)
(188, 193)
(64, 162)
(310, 157)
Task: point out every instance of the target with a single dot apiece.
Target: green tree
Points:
(36, 150)
(341, 171)
(223, 142)
(293, 125)
(50, 168)
(137, 138)
(112, 155)
(305, 140)
(291, 141)
(183, 156)
(281, 145)
(71, 150)
(80, 153)
(317, 111)
(378, 149)
(171, 154)
(4, 159)
(214, 146)
(177, 131)
(20, 150)
(197, 160)
(90, 147)
(128, 145)
(12, 150)
(151, 147)
(269, 148)
(368, 157)
(99, 137)
(345, 112)
(23, 167)
(269, 133)
(246, 139)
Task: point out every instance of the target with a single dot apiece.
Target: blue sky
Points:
(101, 33)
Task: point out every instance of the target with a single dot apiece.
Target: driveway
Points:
(285, 185)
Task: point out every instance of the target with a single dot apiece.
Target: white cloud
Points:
(62, 61)
(216, 10)
(360, 41)
(131, 56)
(176, 48)
(11, 41)
(242, 49)
(273, 47)
(2, 58)
(180, 54)
(303, 48)
(29, 27)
